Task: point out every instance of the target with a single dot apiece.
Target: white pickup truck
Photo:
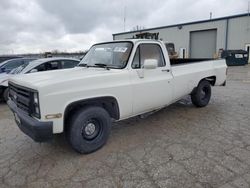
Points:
(114, 81)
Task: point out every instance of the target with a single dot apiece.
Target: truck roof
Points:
(136, 40)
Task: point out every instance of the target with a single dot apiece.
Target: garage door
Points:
(203, 43)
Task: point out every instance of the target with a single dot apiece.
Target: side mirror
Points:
(33, 70)
(150, 64)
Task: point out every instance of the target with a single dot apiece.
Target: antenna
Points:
(211, 15)
(124, 18)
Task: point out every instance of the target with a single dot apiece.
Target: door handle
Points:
(165, 70)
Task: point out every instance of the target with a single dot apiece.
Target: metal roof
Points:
(187, 23)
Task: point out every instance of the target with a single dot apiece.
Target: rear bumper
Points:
(38, 131)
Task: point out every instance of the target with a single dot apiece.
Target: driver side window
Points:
(40, 68)
(148, 51)
(53, 65)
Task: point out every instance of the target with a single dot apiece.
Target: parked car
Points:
(11, 64)
(45, 64)
(114, 81)
(7, 57)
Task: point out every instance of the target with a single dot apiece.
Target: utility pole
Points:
(211, 15)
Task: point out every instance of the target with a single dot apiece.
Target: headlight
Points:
(36, 108)
(35, 98)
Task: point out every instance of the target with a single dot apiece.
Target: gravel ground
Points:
(179, 146)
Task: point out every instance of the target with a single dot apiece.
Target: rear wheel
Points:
(201, 94)
(89, 129)
(6, 94)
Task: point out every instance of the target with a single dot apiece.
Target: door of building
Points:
(203, 43)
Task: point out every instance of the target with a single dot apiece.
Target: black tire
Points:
(202, 93)
(6, 94)
(79, 130)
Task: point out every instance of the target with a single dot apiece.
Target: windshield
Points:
(110, 55)
(19, 69)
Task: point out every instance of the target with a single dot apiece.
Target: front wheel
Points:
(201, 94)
(89, 129)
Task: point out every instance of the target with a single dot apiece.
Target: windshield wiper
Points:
(83, 65)
(102, 65)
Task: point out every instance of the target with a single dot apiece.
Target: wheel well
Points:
(110, 104)
(211, 79)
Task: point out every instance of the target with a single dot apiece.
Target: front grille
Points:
(21, 97)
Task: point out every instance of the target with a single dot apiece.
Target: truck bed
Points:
(187, 74)
(188, 60)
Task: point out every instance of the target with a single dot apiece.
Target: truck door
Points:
(151, 88)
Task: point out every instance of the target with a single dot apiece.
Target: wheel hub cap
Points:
(89, 129)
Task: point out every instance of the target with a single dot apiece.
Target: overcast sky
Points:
(72, 25)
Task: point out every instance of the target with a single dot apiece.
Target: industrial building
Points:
(201, 39)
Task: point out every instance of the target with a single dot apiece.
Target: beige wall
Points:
(238, 33)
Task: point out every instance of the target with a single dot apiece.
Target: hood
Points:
(48, 78)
